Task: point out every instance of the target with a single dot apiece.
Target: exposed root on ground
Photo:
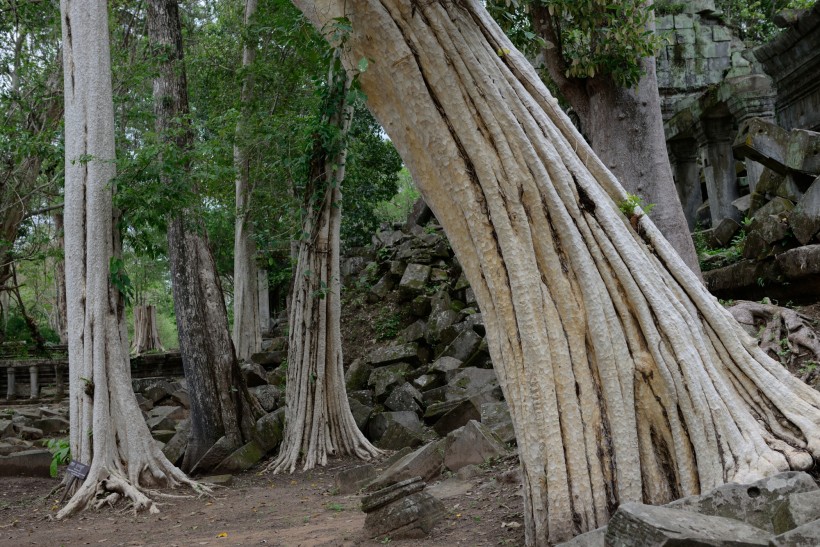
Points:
(784, 334)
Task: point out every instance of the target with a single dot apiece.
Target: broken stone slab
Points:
(445, 364)
(413, 333)
(144, 404)
(357, 374)
(364, 396)
(175, 447)
(442, 315)
(779, 207)
(269, 396)
(725, 231)
(8, 448)
(420, 215)
(464, 345)
(386, 355)
(379, 423)
(420, 306)
(361, 413)
(639, 524)
(398, 436)
(7, 429)
(803, 536)
(405, 397)
(752, 503)
(411, 517)
(27, 463)
(221, 449)
(350, 481)
(594, 538)
(380, 290)
(426, 382)
(414, 279)
(383, 379)
(162, 422)
(254, 373)
(798, 509)
(778, 149)
(388, 494)
(471, 380)
(805, 217)
(270, 429)
(241, 459)
(163, 435)
(277, 376)
(800, 262)
(29, 433)
(425, 462)
(496, 416)
(458, 415)
(158, 390)
(472, 444)
(182, 398)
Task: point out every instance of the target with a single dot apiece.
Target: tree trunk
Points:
(107, 428)
(220, 402)
(626, 380)
(146, 337)
(625, 128)
(318, 418)
(247, 335)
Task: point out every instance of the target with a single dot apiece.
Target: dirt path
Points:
(290, 510)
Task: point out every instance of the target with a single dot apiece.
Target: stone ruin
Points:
(740, 125)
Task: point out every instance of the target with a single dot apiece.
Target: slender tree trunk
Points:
(626, 380)
(107, 428)
(247, 335)
(318, 419)
(146, 337)
(220, 402)
(59, 286)
(625, 128)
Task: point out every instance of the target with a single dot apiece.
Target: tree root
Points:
(784, 334)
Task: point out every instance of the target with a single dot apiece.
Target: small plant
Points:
(385, 540)
(627, 206)
(338, 507)
(60, 454)
(387, 325)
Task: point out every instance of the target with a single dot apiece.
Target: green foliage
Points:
(627, 205)
(387, 325)
(594, 37)
(399, 206)
(60, 454)
(753, 19)
(669, 7)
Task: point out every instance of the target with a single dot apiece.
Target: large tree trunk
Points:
(626, 380)
(247, 331)
(220, 402)
(318, 420)
(625, 128)
(107, 428)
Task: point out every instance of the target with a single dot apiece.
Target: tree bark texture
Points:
(107, 428)
(318, 417)
(625, 128)
(146, 337)
(626, 380)
(220, 402)
(247, 330)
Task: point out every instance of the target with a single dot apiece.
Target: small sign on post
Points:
(77, 469)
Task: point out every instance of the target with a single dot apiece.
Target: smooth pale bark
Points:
(220, 402)
(107, 428)
(625, 128)
(318, 418)
(626, 380)
(247, 330)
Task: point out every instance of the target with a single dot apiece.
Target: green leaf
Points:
(363, 64)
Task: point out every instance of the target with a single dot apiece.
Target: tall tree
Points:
(601, 58)
(220, 403)
(318, 420)
(247, 335)
(626, 380)
(107, 428)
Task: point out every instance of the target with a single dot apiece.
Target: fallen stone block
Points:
(270, 429)
(414, 279)
(472, 444)
(28, 463)
(241, 459)
(752, 503)
(383, 379)
(496, 416)
(798, 509)
(218, 480)
(269, 396)
(386, 355)
(639, 524)
(254, 373)
(404, 398)
(350, 481)
(402, 511)
(380, 422)
(361, 413)
(425, 462)
(357, 375)
(594, 538)
(805, 217)
(807, 535)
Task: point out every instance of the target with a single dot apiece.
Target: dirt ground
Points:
(277, 510)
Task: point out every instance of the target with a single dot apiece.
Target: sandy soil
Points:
(281, 510)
